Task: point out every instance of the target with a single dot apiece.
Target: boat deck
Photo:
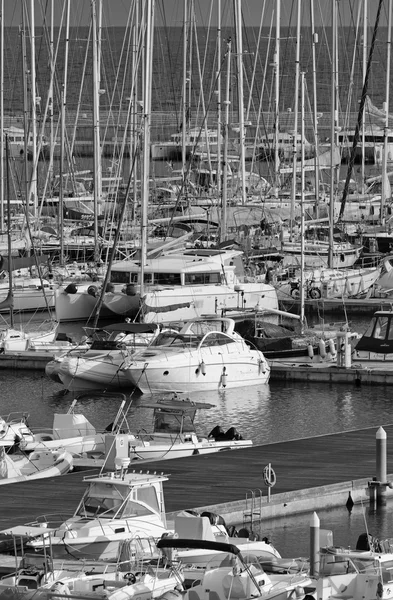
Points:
(216, 478)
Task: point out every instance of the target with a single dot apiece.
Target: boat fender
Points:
(92, 290)
(332, 347)
(71, 289)
(262, 366)
(322, 349)
(224, 377)
(202, 367)
(310, 351)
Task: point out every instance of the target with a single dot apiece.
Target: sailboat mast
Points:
(225, 149)
(33, 182)
(332, 131)
(296, 108)
(148, 74)
(184, 93)
(2, 117)
(239, 57)
(315, 104)
(9, 242)
(386, 128)
(302, 224)
(351, 161)
(276, 66)
(96, 128)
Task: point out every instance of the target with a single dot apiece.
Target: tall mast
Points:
(296, 109)
(302, 290)
(315, 103)
(97, 175)
(225, 149)
(332, 131)
(386, 128)
(184, 92)
(365, 23)
(239, 59)
(276, 63)
(33, 182)
(218, 92)
(2, 117)
(149, 4)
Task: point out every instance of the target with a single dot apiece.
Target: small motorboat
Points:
(37, 465)
(174, 433)
(117, 507)
(206, 354)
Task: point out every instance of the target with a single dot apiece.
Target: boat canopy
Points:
(379, 334)
(168, 542)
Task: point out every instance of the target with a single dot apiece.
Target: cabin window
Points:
(202, 278)
(120, 277)
(148, 495)
(217, 339)
(133, 509)
(167, 278)
(381, 328)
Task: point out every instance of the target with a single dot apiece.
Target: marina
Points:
(196, 265)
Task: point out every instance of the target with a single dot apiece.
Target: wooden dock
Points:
(217, 478)
(331, 373)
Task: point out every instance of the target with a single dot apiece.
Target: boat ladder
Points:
(253, 508)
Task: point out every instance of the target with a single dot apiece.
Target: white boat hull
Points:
(183, 450)
(182, 372)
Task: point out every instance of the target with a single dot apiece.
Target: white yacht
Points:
(207, 354)
(177, 287)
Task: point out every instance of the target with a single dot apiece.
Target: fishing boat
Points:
(38, 576)
(176, 287)
(206, 354)
(116, 506)
(174, 434)
(37, 465)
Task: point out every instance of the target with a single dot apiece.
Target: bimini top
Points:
(379, 334)
(168, 542)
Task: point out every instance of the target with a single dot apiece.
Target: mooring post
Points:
(314, 545)
(379, 483)
(381, 466)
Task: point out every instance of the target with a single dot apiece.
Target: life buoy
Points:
(314, 293)
(295, 292)
(310, 351)
(92, 290)
(269, 476)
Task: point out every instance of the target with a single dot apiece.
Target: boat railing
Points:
(51, 520)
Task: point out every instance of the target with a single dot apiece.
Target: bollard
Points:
(379, 483)
(314, 545)
(344, 350)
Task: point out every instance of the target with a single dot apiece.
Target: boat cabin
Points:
(122, 496)
(378, 337)
(192, 268)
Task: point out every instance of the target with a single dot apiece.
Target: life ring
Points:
(269, 476)
(92, 290)
(314, 293)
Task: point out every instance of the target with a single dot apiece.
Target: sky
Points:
(170, 12)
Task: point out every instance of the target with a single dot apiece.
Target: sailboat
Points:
(12, 339)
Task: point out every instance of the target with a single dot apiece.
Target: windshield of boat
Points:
(109, 501)
(177, 340)
(378, 328)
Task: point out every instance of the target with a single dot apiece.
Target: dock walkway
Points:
(217, 478)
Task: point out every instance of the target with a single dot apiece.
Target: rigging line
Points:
(360, 114)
